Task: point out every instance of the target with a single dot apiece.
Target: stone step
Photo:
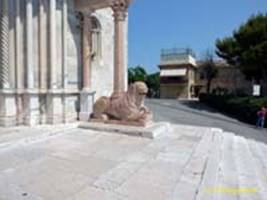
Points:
(235, 170)
(262, 151)
(227, 182)
(188, 185)
(247, 173)
(210, 178)
(24, 135)
(260, 163)
(153, 130)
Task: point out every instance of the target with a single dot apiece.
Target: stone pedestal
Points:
(19, 108)
(31, 110)
(54, 107)
(70, 102)
(86, 105)
(151, 131)
(7, 109)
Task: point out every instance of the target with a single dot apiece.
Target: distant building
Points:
(182, 77)
(229, 79)
(177, 73)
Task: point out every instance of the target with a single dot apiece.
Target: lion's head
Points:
(137, 93)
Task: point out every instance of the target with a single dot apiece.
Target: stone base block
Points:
(121, 122)
(31, 109)
(8, 121)
(69, 118)
(151, 131)
(84, 116)
(54, 109)
(86, 105)
(7, 110)
(32, 106)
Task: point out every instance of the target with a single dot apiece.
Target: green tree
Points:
(131, 75)
(136, 74)
(153, 83)
(209, 69)
(247, 47)
(152, 80)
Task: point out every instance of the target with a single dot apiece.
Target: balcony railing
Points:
(178, 56)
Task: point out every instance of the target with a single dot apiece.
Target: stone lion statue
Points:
(124, 108)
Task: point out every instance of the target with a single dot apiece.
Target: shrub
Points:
(242, 108)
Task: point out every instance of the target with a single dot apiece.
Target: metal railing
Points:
(176, 54)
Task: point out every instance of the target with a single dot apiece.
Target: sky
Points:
(157, 24)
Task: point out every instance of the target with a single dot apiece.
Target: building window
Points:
(96, 38)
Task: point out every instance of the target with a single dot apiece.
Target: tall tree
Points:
(153, 83)
(152, 80)
(136, 74)
(208, 69)
(247, 47)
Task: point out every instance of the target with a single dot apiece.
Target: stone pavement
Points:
(186, 163)
(13, 135)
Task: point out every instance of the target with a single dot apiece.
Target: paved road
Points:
(195, 113)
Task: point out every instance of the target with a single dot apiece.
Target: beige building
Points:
(177, 73)
(229, 79)
(182, 77)
(58, 56)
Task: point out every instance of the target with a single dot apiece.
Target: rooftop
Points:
(177, 56)
(177, 52)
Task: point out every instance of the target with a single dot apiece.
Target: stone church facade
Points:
(58, 56)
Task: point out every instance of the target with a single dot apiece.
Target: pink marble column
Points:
(85, 96)
(120, 13)
(86, 47)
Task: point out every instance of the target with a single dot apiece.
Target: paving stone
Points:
(82, 164)
(97, 194)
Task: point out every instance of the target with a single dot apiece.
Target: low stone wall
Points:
(37, 107)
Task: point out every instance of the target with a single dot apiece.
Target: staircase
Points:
(225, 166)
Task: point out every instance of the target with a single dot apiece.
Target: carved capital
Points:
(83, 18)
(87, 14)
(120, 8)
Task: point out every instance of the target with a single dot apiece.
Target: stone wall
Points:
(45, 85)
(103, 66)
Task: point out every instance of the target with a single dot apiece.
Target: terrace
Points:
(177, 56)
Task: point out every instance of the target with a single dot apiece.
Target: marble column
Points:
(42, 55)
(54, 95)
(19, 71)
(120, 8)
(64, 44)
(29, 46)
(86, 95)
(6, 110)
(4, 46)
(42, 39)
(86, 49)
(64, 58)
(12, 80)
(19, 47)
(30, 99)
(52, 45)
